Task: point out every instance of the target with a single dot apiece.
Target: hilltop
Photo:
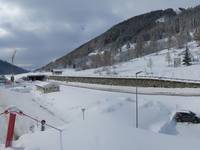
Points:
(141, 35)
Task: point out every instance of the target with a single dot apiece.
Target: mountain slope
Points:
(7, 68)
(155, 64)
(152, 26)
(114, 37)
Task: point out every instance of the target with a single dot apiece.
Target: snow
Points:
(124, 47)
(159, 68)
(160, 20)
(109, 119)
(44, 84)
(111, 136)
(141, 90)
(109, 122)
(27, 103)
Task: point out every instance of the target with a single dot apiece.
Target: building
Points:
(46, 87)
(3, 79)
(56, 72)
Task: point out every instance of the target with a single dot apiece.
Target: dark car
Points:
(187, 116)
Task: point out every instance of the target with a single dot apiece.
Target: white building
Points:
(46, 87)
(56, 72)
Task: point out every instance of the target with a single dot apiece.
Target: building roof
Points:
(45, 84)
(56, 70)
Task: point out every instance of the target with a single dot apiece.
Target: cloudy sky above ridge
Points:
(43, 30)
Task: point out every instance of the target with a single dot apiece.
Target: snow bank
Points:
(109, 120)
(103, 134)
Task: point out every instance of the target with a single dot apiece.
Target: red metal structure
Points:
(13, 112)
(10, 131)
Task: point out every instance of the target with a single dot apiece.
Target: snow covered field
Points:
(159, 66)
(109, 119)
(109, 122)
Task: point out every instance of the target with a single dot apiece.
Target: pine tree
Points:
(187, 57)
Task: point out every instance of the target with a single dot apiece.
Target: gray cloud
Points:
(47, 29)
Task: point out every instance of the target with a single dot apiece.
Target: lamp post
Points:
(61, 139)
(83, 111)
(136, 95)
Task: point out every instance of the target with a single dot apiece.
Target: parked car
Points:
(186, 116)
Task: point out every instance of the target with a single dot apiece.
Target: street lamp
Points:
(136, 94)
(83, 111)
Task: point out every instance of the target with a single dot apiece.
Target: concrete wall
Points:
(141, 82)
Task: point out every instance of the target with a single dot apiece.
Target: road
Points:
(141, 90)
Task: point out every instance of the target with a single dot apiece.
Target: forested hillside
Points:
(7, 68)
(135, 37)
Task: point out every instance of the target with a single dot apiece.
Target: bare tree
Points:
(197, 36)
(96, 61)
(150, 64)
(131, 53)
(168, 58)
(139, 47)
(169, 42)
(182, 38)
(153, 45)
(179, 41)
(107, 60)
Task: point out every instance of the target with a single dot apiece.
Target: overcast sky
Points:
(43, 30)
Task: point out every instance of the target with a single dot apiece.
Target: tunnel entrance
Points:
(36, 77)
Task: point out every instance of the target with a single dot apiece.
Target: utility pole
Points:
(13, 57)
(136, 95)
